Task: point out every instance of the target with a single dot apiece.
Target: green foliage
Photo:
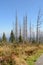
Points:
(11, 39)
(4, 37)
(20, 38)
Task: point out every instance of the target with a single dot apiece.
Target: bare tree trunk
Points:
(30, 31)
(38, 26)
(25, 28)
(16, 28)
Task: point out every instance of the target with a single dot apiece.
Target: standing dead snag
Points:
(16, 28)
(38, 26)
(30, 31)
(25, 28)
(20, 35)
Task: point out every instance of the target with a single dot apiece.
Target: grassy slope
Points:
(21, 54)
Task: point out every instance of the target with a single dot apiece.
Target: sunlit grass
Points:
(22, 53)
(33, 58)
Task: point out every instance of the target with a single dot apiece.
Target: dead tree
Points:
(30, 31)
(16, 28)
(13, 28)
(25, 28)
(20, 35)
(38, 26)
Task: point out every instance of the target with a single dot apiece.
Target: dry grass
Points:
(19, 54)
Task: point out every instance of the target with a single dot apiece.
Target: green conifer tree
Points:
(4, 37)
(12, 38)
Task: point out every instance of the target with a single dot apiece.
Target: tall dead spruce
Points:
(16, 28)
(38, 26)
(25, 28)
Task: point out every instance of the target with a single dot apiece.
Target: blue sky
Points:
(8, 12)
